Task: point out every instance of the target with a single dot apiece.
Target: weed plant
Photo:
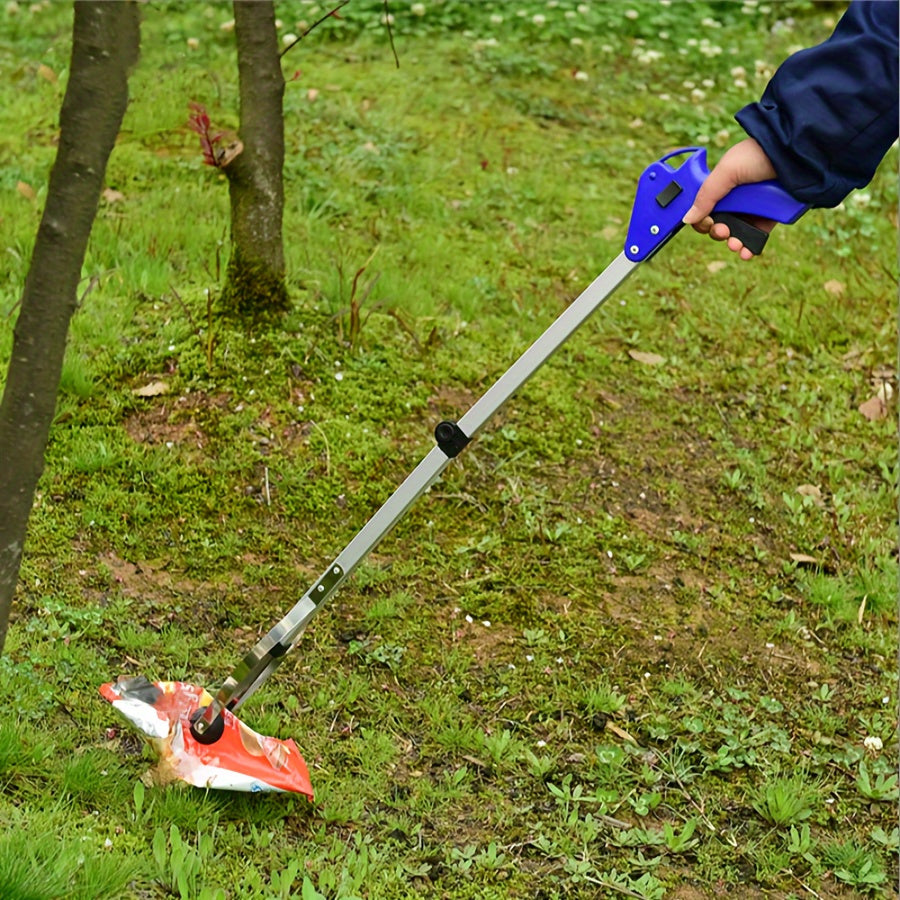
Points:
(640, 640)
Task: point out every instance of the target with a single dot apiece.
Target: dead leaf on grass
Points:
(111, 195)
(26, 190)
(154, 389)
(620, 732)
(45, 72)
(834, 287)
(648, 359)
(874, 408)
(810, 490)
(717, 266)
(804, 559)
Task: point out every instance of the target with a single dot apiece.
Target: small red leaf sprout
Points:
(199, 122)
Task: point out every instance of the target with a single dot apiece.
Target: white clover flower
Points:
(576, 42)
(581, 76)
(649, 56)
(193, 43)
(288, 39)
(469, 619)
(873, 743)
(541, 743)
(698, 95)
(538, 19)
(417, 9)
(496, 19)
(582, 8)
(631, 14)
(738, 72)
(387, 19)
(570, 13)
(861, 199)
(227, 26)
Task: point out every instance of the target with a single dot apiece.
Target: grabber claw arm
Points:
(665, 192)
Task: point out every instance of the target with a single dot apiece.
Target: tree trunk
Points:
(255, 281)
(105, 44)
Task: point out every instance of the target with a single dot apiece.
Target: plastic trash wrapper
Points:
(241, 760)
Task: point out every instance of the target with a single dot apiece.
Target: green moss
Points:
(253, 288)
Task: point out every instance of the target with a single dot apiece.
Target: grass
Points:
(595, 659)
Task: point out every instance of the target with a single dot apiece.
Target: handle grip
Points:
(665, 192)
(753, 238)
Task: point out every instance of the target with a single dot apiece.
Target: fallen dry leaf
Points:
(111, 195)
(804, 559)
(154, 389)
(26, 190)
(47, 73)
(619, 732)
(874, 408)
(834, 287)
(717, 266)
(649, 359)
(810, 490)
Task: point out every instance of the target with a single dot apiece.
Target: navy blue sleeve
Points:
(829, 114)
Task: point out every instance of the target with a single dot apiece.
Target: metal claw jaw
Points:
(238, 759)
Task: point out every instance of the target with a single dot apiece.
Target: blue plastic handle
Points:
(665, 192)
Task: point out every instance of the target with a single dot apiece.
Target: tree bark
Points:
(105, 45)
(255, 279)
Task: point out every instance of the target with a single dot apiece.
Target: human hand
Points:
(744, 163)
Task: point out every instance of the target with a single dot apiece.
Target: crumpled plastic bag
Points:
(241, 760)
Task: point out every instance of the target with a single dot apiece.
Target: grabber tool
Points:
(197, 734)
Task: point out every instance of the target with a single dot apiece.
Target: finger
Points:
(703, 226)
(718, 183)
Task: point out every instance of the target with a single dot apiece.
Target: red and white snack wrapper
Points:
(241, 760)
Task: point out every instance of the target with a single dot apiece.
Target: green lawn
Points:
(641, 639)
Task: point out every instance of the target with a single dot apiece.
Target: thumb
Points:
(718, 183)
